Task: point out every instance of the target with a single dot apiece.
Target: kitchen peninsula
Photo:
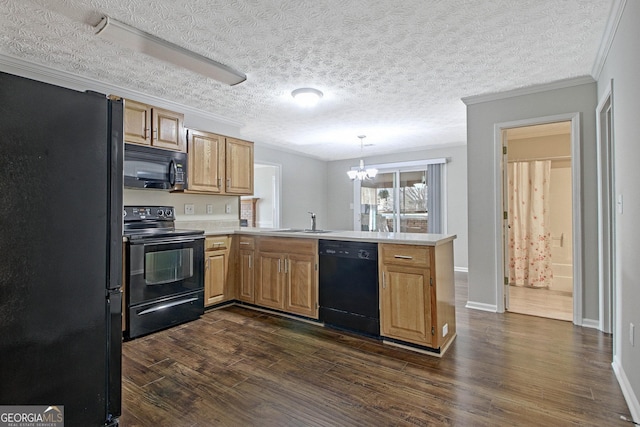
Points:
(278, 270)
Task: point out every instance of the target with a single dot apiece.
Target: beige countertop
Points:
(360, 236)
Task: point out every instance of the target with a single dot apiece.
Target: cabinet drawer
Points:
(216, 243)
(288, 245)
(247, 242)
(409, 255)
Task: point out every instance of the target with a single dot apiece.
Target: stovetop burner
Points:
(143, 222)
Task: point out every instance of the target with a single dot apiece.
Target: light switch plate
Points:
(209, 209)
(227, 208)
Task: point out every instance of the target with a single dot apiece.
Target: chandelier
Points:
(361, 173)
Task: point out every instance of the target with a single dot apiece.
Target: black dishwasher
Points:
(349, 286)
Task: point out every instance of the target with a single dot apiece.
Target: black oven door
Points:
(159, 268)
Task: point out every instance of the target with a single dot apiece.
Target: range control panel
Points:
(137, 213)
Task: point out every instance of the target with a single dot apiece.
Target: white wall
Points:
(263, 183)
(623, 67)
(481, 118)
(340, 192)
(304, 186)
(178, 200)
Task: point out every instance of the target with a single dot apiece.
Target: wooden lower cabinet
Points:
(417, 301)
(217, 283)
(301, 286)
(246, 269)
(271, 278)
(287, 275)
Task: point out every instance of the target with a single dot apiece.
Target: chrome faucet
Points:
(313, 221)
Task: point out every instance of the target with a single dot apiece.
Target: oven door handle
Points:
(161, 241)
(170, 304)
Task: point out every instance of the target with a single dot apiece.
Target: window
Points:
(405, 197)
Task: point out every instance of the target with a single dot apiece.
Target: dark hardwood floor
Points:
(238, 367)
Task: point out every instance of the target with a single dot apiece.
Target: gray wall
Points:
(623, 66)
(340, 192)
(304, 186)
(481, 118)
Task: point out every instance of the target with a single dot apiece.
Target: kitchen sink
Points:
(300, 230)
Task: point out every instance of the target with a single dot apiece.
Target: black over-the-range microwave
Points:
(154, 168)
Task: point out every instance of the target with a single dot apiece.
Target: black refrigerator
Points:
(60, 250)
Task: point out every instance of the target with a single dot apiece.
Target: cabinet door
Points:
(247, 278)
(168, 130)
(406, 304)
(206, 162)
(215, 277)
(302, 285)
(137, 123)
(239, 166)
(270, 280)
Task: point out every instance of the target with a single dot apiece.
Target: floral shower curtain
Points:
(529, 232)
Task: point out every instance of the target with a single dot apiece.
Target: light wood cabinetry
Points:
(206, 162)
(153, 126)
(417, 293)
(219, 164)
(287, 275)
(246, 269)
(217, 281)
(239, 166)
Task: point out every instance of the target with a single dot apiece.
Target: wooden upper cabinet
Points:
(239, 166)
(206, 162)
(137, 123)
(168, 130)
(219, 164)
(156, 127)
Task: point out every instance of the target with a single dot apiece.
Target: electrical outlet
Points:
(632, 332)
(209, 209)
(189, 209)
(227, 208)
(445, 330)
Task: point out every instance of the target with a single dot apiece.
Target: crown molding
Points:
(46, 74)
(615, 15)
(559, 84)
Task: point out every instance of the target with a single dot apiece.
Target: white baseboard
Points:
(629, 396)
(590, 323)
(461, 269)
(482, 306)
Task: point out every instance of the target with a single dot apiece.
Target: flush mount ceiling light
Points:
(306, 96)
(361, 173)
(148, 44)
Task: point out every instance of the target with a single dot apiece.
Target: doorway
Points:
(502, 223)
(263, 208)
(539, 259)
(607, 217)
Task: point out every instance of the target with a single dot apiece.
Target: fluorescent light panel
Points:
(148, 44)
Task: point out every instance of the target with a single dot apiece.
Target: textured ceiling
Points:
(392, 70)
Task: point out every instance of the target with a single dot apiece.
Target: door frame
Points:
(396, 168)
(276, 189)
(576, 183)
(607, 216)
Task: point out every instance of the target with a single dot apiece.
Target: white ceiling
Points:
(392, 70)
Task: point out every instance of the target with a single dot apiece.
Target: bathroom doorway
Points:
(538, 195)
